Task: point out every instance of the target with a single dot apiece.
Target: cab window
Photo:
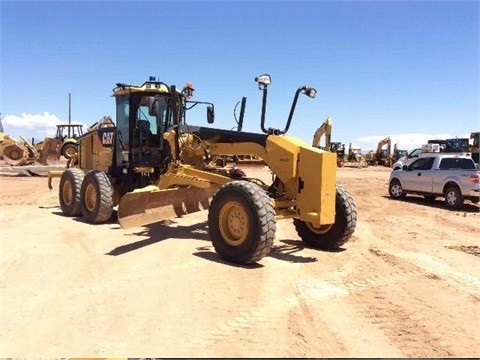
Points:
(422, 164)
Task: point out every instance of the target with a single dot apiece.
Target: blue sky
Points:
(405, 69)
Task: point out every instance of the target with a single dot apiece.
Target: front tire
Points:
(69, 191)
(241, 222)
(96, 197)
(395, 189)
(453, 198)
(331, 236)
(69, 151)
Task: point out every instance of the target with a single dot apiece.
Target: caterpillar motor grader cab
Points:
(155, 166)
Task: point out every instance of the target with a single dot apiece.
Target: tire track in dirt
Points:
(307, 296)
(409, 334)
(436, 266)
(311, 292)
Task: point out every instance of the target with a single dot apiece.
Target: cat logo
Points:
(107, 138)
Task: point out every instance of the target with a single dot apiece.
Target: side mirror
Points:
(210, 114)
(404, 167)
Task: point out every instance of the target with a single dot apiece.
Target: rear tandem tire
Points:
(96, 197)
(69, 191)
(331, 236)
(241, 222)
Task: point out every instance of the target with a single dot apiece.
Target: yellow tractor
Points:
(65, 141)
(155, 165)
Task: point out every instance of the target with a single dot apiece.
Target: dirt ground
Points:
(406, 285)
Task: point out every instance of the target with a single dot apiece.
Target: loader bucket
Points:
(150, 205)
(50, 152)
(15, 154)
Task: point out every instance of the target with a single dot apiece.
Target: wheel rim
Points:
(451, 198)
(396, 190)
(90, 197)
(14, 155)
(70, 152)
(321, 229)
(67, 193)
(233, 223)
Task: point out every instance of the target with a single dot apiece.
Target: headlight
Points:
(264, 80)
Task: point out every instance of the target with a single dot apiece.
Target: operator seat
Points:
(142, 132)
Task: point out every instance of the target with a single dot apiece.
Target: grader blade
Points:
(147, 206)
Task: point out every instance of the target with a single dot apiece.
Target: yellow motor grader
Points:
(154, 165)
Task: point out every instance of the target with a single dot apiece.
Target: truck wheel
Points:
(331, 236)
(453, 197)
(96, 197)
(69, 191)
(395, 189)
(241, 222)
(69, 151)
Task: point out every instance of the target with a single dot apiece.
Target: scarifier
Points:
(156, 166)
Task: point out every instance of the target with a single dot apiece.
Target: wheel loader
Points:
(154, 165)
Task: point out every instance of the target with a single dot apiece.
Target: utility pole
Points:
(69, 112)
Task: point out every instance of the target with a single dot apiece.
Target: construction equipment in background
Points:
(381, 156)
(5, 140)
(474, 147)
(335, 147)
(397, 153)
(452, 145)
(339, 149)
(324, 129)
(66, 139)
(105, 121)
(155, 166)
(354, 157)
(18, 153)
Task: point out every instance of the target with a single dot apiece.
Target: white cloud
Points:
(31, 125)
(407, 141)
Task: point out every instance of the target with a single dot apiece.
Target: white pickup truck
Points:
(453, 177)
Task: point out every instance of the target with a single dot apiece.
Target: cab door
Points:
(418, 177)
